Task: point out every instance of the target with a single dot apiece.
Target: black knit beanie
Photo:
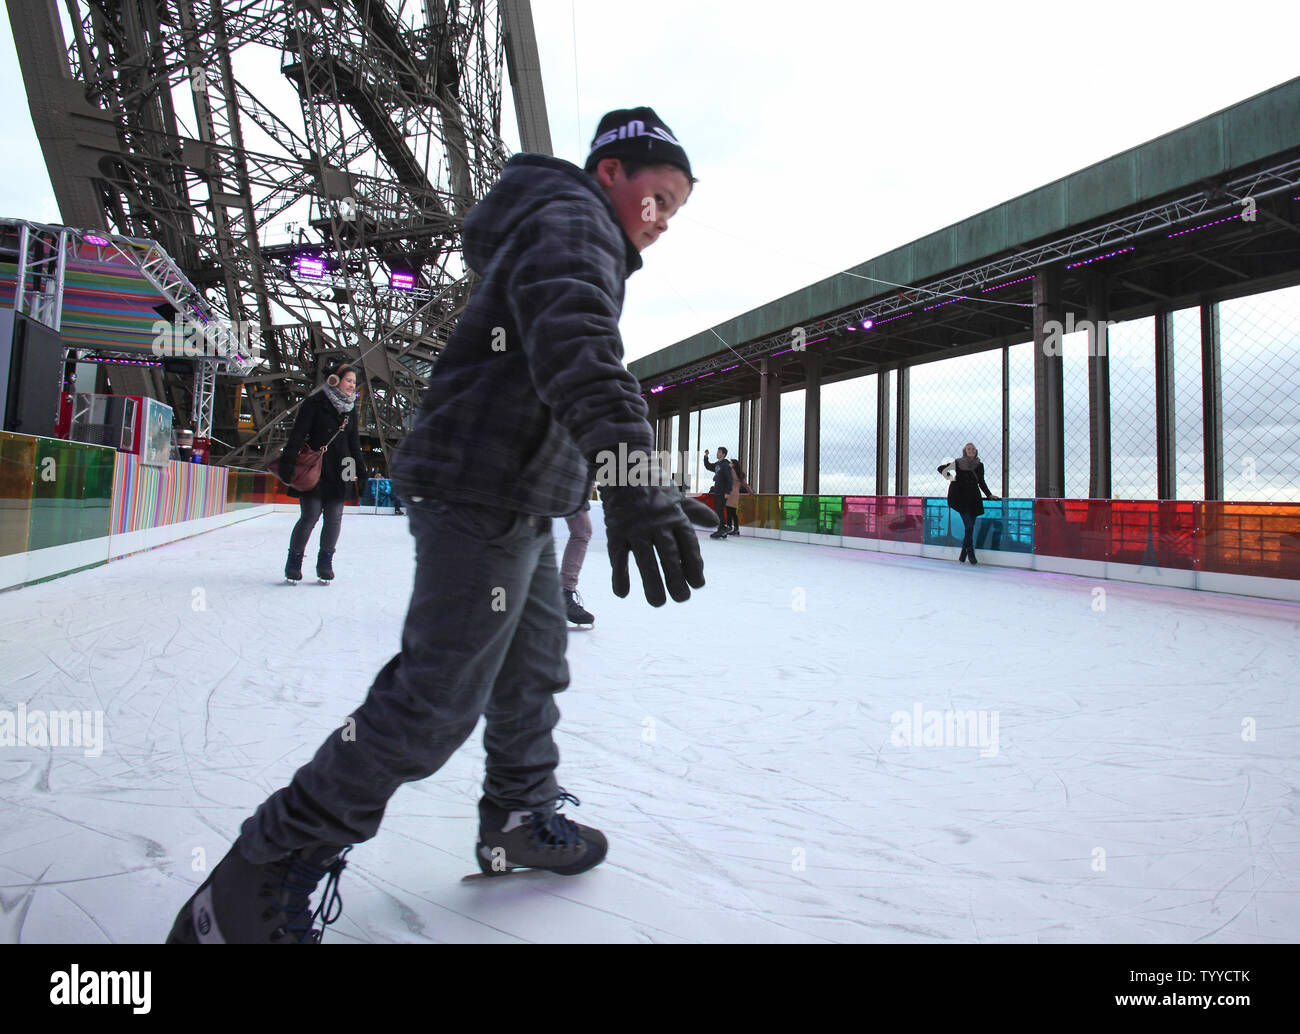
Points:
(640, 134)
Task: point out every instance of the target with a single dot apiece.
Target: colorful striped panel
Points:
(105, 305)
(146, 496)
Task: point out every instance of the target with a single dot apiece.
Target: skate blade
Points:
(518, 870)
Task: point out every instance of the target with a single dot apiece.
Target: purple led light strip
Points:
(1193, 229)
(1098, 258)
(998, 287)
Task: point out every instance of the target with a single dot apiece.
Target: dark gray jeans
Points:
(310, 508)
(485, 635)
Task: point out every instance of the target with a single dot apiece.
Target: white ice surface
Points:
(736, 750)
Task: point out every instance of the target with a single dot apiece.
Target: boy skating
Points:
(529, 393)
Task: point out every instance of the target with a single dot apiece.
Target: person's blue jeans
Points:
(485, 635)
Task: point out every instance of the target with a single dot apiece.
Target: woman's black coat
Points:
(316, 423)
(964, 491)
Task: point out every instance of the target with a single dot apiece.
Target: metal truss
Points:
(956, 288)
(42, 253)
(191, 142)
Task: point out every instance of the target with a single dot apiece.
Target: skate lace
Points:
(555, 829)
(299, 880)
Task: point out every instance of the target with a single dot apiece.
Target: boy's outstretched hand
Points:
(648, 520)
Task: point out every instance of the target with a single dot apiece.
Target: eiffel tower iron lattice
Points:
(243, 137)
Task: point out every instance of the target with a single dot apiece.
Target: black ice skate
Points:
(574, 610)
(541, 838)
(242, 903)
(293, 568)
(325, 566)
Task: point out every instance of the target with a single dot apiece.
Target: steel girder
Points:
(185, 137)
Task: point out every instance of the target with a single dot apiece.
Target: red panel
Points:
(859, 517)
(1077, 528)
(1151, 533)
(893, 518)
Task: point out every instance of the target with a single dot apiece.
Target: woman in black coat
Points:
(342, 470)
(964, 495)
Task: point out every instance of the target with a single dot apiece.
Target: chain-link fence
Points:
(1189, 421)
(717, 426)
(1134, 473)
(792, 435)
(1020, 423)
(952, 403)
(848, 446)
(1259, 342)
(959, 400)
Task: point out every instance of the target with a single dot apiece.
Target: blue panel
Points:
(1006, 525)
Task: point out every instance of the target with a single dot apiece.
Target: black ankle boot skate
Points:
(536, 838)
(242, 903)
(574, 610)
(325, 565)
(293, 567)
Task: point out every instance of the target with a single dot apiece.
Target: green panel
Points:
(932, 255)
(72, 494)
(1039, 214)
(832, 510)
(1100, 189)
(798, 513)
(979, 236)
(1162, 164)
(813, 514)
(17, 464)
(1264, 126)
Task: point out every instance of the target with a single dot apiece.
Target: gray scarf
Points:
(343, 403)
(965, 462)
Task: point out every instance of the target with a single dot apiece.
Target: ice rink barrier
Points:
(66, 506)
(1252, 549)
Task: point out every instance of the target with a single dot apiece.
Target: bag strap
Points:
(334, 435)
